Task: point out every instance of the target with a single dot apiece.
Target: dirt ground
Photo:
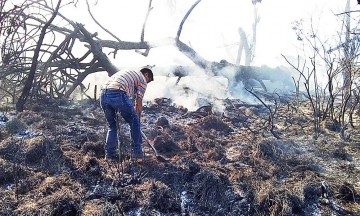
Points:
(52, 163)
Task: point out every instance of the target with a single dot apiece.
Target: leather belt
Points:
(110, 89)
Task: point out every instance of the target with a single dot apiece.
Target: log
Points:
(240, 73)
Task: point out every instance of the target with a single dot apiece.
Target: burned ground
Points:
(52, 163)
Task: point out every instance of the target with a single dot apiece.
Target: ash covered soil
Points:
(52, 163)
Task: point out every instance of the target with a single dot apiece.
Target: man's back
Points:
(131, 82)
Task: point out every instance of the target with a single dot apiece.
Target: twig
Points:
(271, 117)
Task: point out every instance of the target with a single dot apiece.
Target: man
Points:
(116, 97)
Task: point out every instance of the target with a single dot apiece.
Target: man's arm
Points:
(138, 106)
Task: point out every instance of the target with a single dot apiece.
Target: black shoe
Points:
(138, 156)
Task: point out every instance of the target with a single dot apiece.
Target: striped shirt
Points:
(132, 82)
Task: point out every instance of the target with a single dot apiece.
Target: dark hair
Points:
(148, 72)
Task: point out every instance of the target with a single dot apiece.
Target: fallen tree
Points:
(60, 70)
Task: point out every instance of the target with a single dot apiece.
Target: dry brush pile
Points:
(52, 163)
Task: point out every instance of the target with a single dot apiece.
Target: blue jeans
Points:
(112, 102)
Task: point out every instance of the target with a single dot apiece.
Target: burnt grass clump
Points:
(52, 163)
(209, 190)
(215, 123)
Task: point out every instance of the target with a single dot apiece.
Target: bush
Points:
(14, 126)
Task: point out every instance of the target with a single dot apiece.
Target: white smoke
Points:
(190, 92)
(197, 88)
(194, 90)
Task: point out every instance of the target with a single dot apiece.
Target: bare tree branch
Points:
(184, 19)
(28, 84)
(97, 51)
(146, 53)
(105, 29)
